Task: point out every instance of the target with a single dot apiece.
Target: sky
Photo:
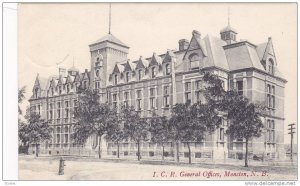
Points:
(53, 33)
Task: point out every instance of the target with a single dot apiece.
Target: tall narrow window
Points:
(153, 70)
(126, 99)
(271, 96)
(240, 87)
(168, 69)
(166, 96)
(115, 100)
(152, 98)
(271, 67)
(127, 77)
(140, 74)
(116, 79)
(139, 99)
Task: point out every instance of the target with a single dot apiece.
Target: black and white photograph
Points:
(156, 91)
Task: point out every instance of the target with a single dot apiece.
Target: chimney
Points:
(183, 44)
(196, 34)
(62, 71)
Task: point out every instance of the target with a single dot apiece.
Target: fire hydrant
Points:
(61, 166)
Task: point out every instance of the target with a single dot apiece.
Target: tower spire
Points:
(109, 18)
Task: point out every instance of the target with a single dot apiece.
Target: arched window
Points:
(194, 61)
(168, 69)
(271, 67)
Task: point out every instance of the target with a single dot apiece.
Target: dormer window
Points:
(153, 71)
(36, 92)
(168, 69)
(194, 61)
(271, 67)
(59, 90)
(116, 79)
(140, 74)
(68, 88)
(127, 76)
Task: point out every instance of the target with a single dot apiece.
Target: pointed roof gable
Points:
(111, 38)
(196, 43)
(119, 68)
(169, 56)
(155, 60)
(141, 63)
(129, 66)
(266, 49)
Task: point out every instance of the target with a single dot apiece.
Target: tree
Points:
(116, 135)
(21, 97)
(37, 130)
(92, 117)
(136, 128)
(244, 116)
(159, 129)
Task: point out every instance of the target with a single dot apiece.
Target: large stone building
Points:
(157, 82)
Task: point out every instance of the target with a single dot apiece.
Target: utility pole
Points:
(292, 134)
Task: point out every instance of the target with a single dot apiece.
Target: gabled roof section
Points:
(155, 60)
(141, 63)
(196, 43)
(266, 49)
(77, 77)
(119, 68)
(40, 82)
(111, 38)
(169, 56)
(129, 66)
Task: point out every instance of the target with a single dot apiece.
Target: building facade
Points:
(158, 82)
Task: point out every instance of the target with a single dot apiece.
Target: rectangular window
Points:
(271, 96)
(151, 153)
(240, 87)
(116, 79)
(126, 98)
(197, 154)
(127, 77)
(140, 75)
(152, 92)
(187, 86)
(221, 134)
(199, 95)
(166, 100)
(188, 98)
(139, 99)
(115, 102)
(166, 90)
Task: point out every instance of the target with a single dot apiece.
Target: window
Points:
(199, 96)
(59, 90)
(166, 96)
(139, 99)
(115, 100)
(126, 98)
(168, 69)
(240, 87)
(270, 135)
(66, 138)
(270, 96)
(188, 98)
(153, 71)
(271, 67)
(97, 73)
(186, 154)
(194, 61)
(127, 77)
(36, 92)
(140, 74)
(197, 154)
(97, 84)
(57, 138)
(58, 110)
(151, 153)
(221, 136)
(68, 88)
(116, 79)
(152, 98)
(188, 86)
